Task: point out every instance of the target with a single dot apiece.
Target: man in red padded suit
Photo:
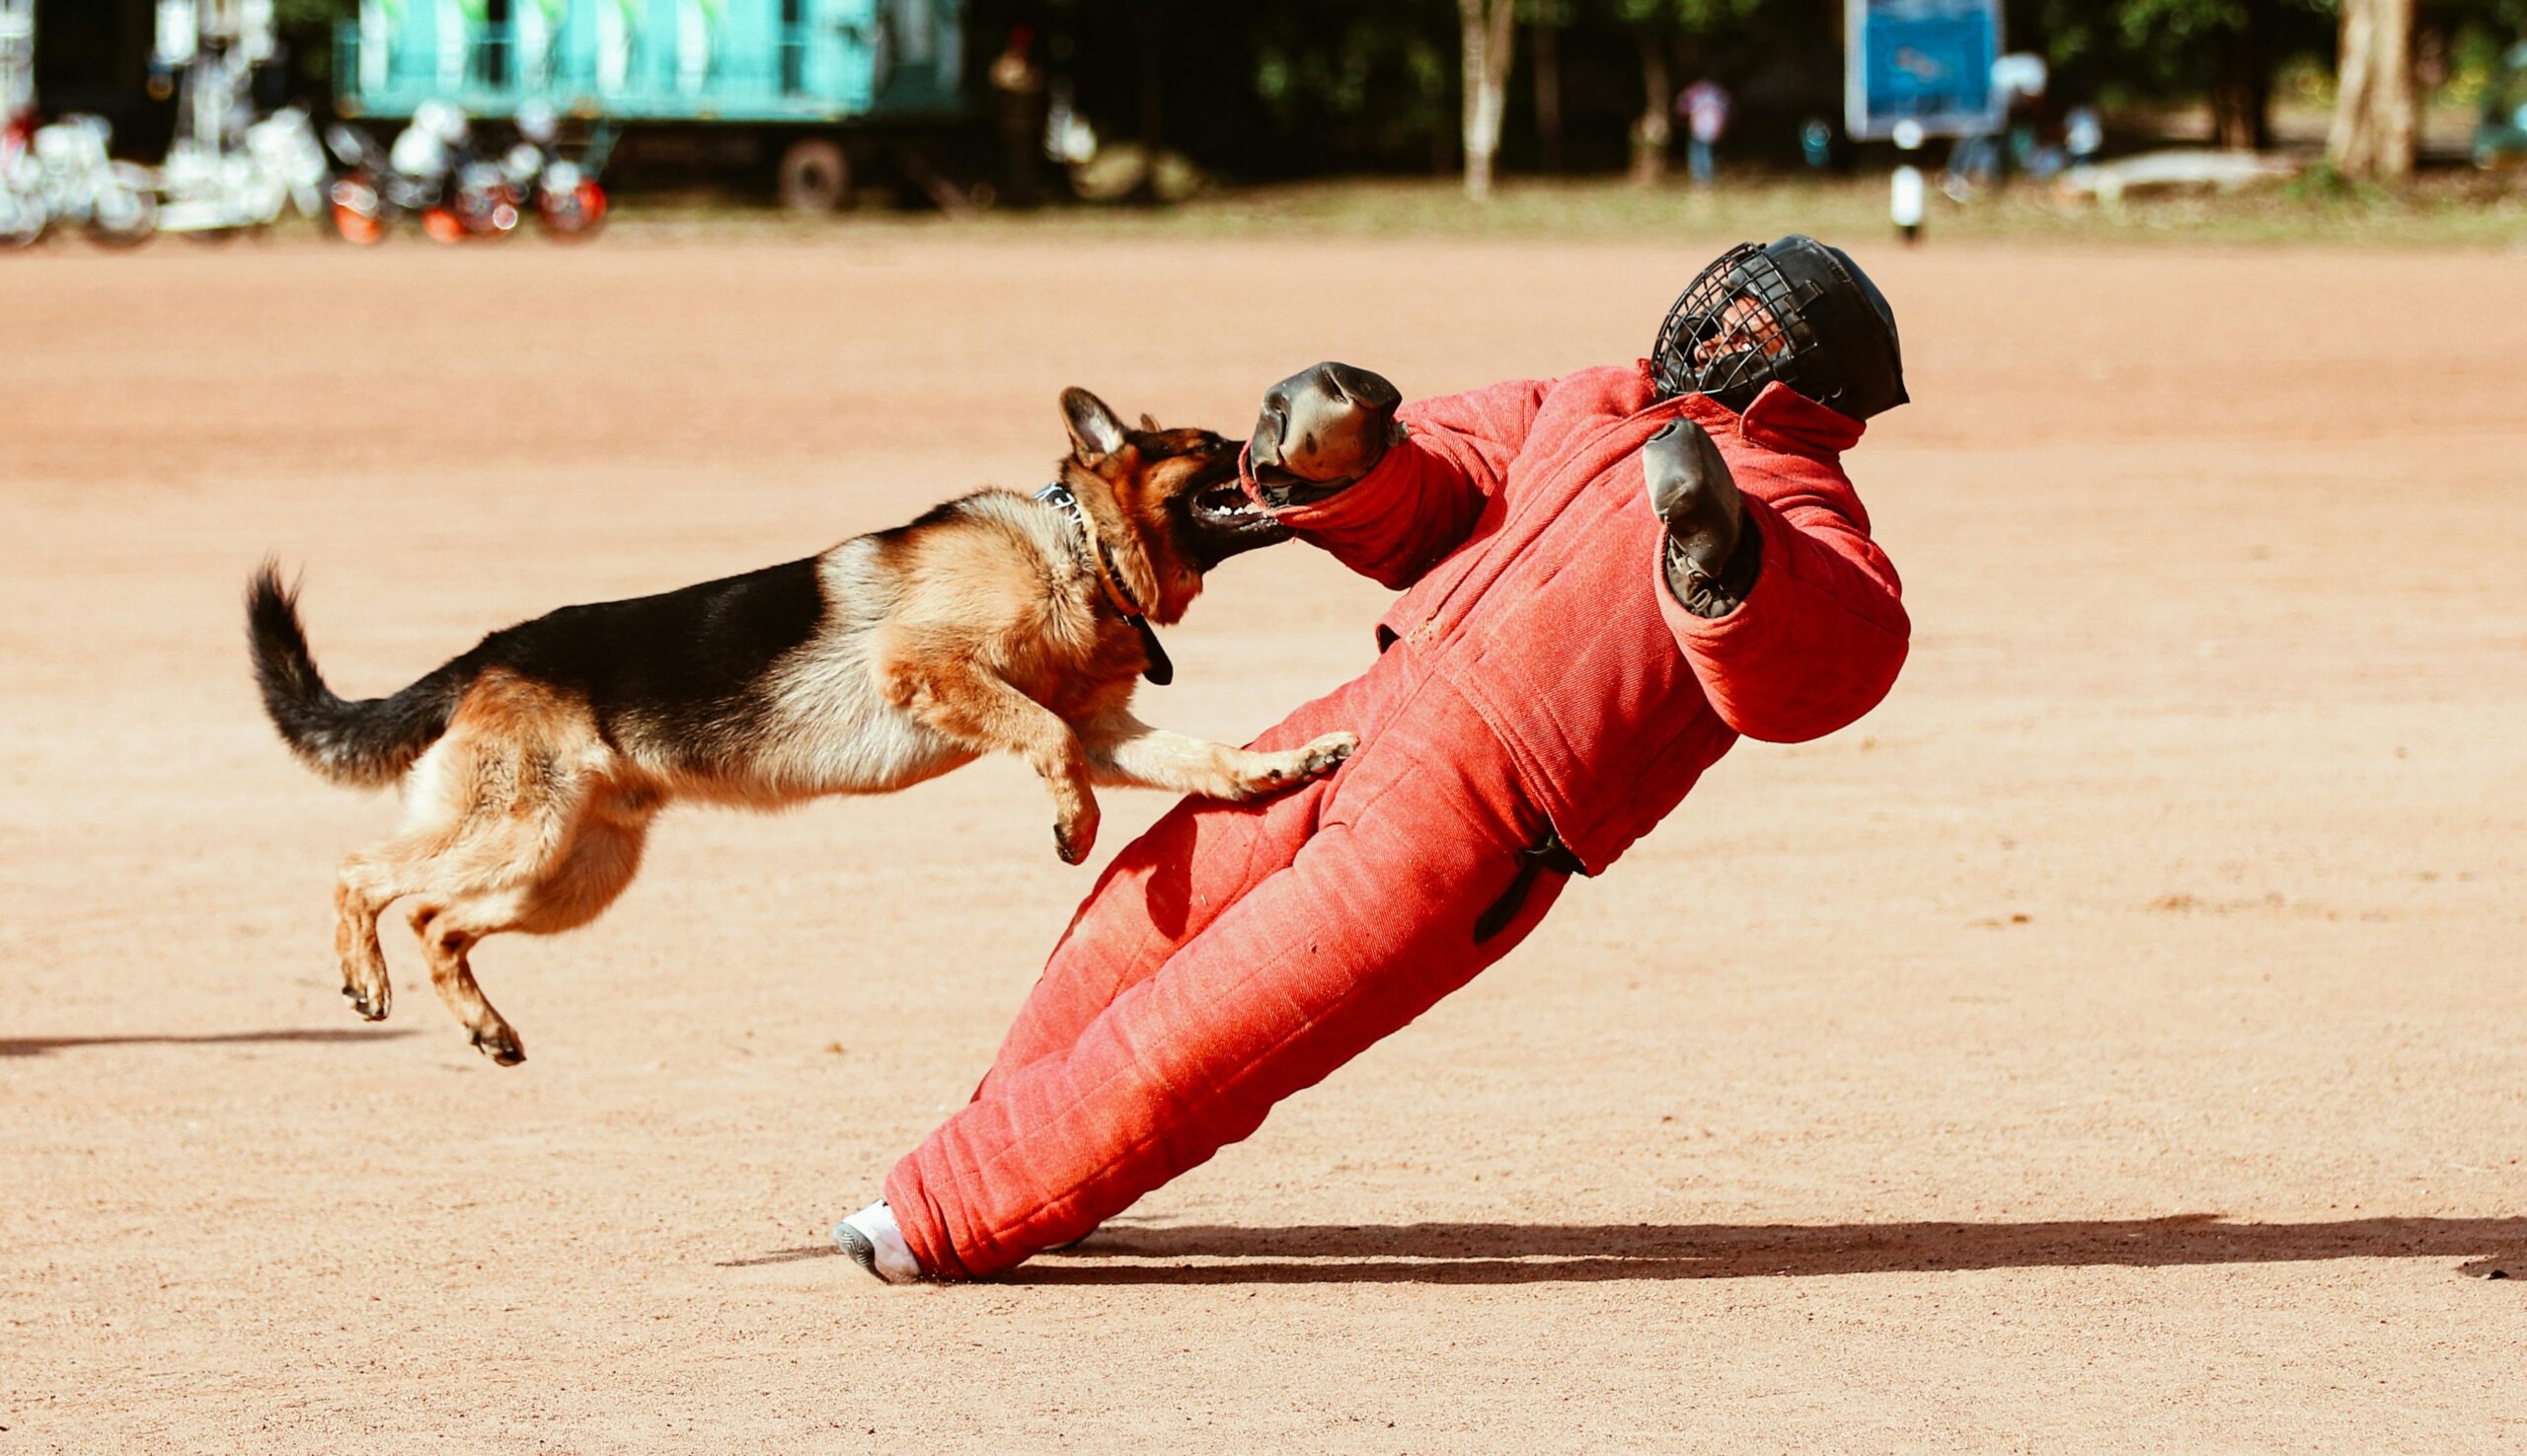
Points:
(1610, 577)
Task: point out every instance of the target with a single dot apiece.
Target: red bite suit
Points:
(1535, 675)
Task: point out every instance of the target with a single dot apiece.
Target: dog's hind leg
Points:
(441, 799)
(446, 941)
(522, 767)
(455, 913)
(361, 895)
(588, 865)
(370, 882)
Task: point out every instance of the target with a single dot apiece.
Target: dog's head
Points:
(1167, 502)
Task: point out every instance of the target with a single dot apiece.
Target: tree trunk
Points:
(2375, 112)
(1490, 32)
(1547, 32)
(1656, 124)
(2241, 92)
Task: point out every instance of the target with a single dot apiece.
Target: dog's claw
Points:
(1299, 765)
(370, 1007)
(1327, 754)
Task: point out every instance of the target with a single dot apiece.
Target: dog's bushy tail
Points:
(369, 744)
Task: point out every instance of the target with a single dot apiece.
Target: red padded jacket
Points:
(1517, 518)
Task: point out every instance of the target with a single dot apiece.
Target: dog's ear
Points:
(1096, 430)
(1149, 423)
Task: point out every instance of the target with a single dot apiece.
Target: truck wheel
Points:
(815, 176)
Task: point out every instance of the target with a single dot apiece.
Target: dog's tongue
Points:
(1246, 477)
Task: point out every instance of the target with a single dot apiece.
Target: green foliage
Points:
(2481, 35)
(1688, 17)
(1383, 76)
(2323, 183)
(2153, 49)
(306, 30)
(313, 14)
(2144, 23)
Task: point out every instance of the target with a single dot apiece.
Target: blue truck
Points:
(809, 79)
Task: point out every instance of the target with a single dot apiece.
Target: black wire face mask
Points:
(1796, 313)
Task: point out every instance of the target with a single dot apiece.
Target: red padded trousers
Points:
(1232, 956)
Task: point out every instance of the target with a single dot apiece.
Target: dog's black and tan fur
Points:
(533, 764)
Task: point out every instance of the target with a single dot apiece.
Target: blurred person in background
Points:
(1704, 108)
(1017, 83)
(1816, 143)
(1975, 163)
(2083, 134)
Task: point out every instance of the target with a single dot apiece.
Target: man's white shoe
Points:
(874, 1244)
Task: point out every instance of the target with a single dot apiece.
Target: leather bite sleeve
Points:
(1423, 498)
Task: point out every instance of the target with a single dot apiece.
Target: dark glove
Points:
(1319, 430)
(1714, 553)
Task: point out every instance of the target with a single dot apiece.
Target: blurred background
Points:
(2273, 115)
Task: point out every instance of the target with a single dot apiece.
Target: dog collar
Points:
(1160, 670)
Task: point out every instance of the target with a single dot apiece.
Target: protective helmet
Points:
(1798, 312)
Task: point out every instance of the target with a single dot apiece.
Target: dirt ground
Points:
(2118, 1041)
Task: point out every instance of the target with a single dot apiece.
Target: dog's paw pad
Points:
(1327, 754)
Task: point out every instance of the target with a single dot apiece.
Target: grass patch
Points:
(2457, 210)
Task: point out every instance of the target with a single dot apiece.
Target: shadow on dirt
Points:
(40, 1045)
(1521, 1253)
(826, 1250)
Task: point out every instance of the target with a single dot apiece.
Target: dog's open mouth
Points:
(1223, 504)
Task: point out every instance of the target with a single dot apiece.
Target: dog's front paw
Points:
(1299, 765)
(1075, 836)
(1326, 754)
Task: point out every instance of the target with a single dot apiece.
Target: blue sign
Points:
(1926, 61)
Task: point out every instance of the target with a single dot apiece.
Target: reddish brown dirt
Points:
(2116, 1043)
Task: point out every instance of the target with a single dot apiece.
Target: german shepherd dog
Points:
(533, 764)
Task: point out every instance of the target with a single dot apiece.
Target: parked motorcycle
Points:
(475, 198)
(380, 187)
(369, 196)
(24, 214)
(66, 175)
(480, 204)
(212, 194)
(430, 173)
(565, 195)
